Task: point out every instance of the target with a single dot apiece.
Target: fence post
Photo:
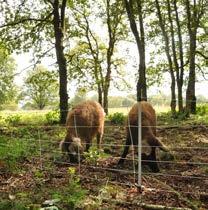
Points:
(79, 159)
(40, 150)
(139, 145)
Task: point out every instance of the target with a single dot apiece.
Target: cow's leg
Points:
(126, 150)
(88, 144)
(152, 163)
(99, 140)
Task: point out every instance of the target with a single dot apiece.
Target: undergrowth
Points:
(14, 151)
(117, 118)
(9, 205)
(73, 194)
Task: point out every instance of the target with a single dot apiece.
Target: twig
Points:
(144, 205)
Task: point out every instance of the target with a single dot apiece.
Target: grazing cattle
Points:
(148, 133)
(84, 122)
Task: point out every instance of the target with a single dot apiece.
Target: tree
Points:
(162, 25)
(140, 41)
(179, 32)
(41, 87)
(179, 66)
(114, 20)
(179, 71)
(86, 66)
(34, 24)
(59, 30)
(194, 11)
(8, 90)
(99, 52)
(80, 96)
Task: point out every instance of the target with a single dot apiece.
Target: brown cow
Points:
(148, 133)
(84, 122)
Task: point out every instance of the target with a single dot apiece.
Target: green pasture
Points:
(49, 117)
(38, 116)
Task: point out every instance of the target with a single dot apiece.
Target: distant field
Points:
(30, 117)
(27, 114)
(39, 117)
(125, 110)
(24, 112)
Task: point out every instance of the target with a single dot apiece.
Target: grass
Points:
(9, 205)
(14, 149)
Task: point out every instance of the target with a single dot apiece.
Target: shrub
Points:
(92, 156)
(117, 118)
(180, 116)
(52, 117)
(13, 119)
(202, 109)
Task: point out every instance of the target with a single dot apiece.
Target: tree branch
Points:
(202, 55)
(128, 6)
(36, 62)
(63, 8)
(202, 72)
(26, 20)
(50, 1)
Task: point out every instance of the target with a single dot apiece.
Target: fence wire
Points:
(43, 143)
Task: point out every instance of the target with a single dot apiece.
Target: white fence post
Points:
(139, 145)
(40, 150)
(79, 159)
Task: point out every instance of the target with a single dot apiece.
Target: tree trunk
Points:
(180, 96)
(41, 106)
(100, 96)
(181, 68)
(142, 66)
(107, 81)
(179, 85)
(61, 60)
(142, 70)
(190, 93)
(170, 63)
(141, 84)
(111, 45)
(141, 87)
(97, 70)
(173, 95)
(105, 100)
(192, 25)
